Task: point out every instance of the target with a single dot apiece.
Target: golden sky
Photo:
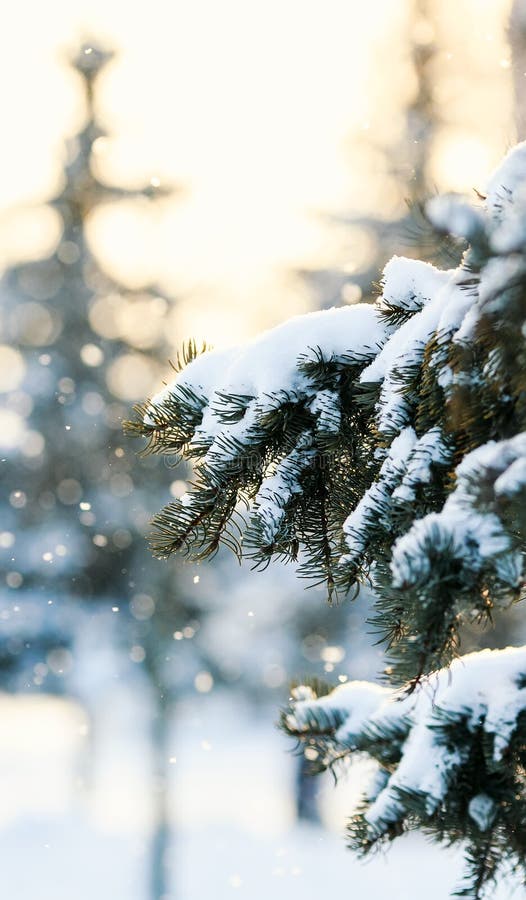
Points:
(267, 114)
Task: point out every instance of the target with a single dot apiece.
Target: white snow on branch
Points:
(421, 280)
(410, 283)
(267, 369)
(326, 407)
(369, 509)
(482, 809)
(279, 487)
(477, 538)
(486, 690)
(505, 180)
(430, 448)
(452, 215)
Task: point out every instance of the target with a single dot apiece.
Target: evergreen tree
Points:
(72, 542)
(386, 443)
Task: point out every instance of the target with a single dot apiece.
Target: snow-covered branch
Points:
(362, 439)
(449, 754)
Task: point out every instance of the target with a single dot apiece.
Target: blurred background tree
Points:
(71, 492)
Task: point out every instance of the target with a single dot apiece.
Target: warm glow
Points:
(460, 160)
(248, 108)
(264, 116)
(132, 377)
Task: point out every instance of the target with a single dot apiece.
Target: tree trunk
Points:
(306, 793)
(161, 845)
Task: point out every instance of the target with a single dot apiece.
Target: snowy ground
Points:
(66, 860)
(75, 821)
